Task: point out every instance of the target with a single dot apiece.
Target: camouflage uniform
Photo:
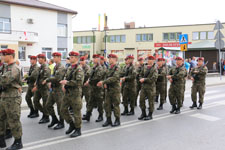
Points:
(166, 81)
(129, 89)
(56, 95)
(148, 89)
(176, 89)
(32, 76)
(42, 90)
(112, 82)
(11, 100)
(199, 75)
(96, 93)
(161, 85)
(72, 97)
(86, 89)
(138, 84)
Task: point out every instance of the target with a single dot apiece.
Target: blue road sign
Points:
(105, 51)
(183, 39)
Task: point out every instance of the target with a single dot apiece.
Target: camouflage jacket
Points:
(32, 75)
(104, 70)
(150, 75)
(87, 72)
(199, 74)
(130, 76)
(162, 72)
(138, 73)
(75, 78)
(57, 76)
(43, 73)
(11, 81)
(178, 75)
(97, 74)
(113, 78)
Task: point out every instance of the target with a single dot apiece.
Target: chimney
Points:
(129, 25)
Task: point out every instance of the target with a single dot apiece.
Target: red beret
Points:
(102, 57)
(8, 52)
(72, 53)
(201, 58)
(163, 59)
(140, 58)
(179, 58)
(130, 57)
(41, 56)
(160, 59)
(112, 56)
(33, 57)
(151, 58)
(56, 54)
(96, 56)
(82, 58)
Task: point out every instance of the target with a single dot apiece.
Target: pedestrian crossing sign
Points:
(183, 39)
(183, 47)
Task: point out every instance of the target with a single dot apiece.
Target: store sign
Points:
(172, 44)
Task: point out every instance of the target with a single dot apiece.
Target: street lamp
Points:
(93, 31)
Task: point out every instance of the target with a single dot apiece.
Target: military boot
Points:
(54, 121)
(143, 114)
(71, 128)
(157, 99)
(160, 107)
(193, 105)
(8, 134)
(200, 106)
(125, 112)
(87, 116)
(44, 119)
(177, 110)
(131, 112)
(149, 117)
(35, 114)
(76, 133)
(107, 122)
(31, 112)
(100, 118)
(116, 123)
(2, 141)
(16, 145)
(173, 109)
(60, 125)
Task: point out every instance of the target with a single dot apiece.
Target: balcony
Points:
(19, 36)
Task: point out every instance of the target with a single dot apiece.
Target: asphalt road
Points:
(191, 130)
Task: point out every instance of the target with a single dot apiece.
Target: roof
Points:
(39, 4)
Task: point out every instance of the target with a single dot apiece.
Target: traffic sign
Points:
(219, 35)
(183, 39)
(183, 47)
(219, 44)
(218, 25)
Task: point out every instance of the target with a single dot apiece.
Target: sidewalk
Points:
(210, 81)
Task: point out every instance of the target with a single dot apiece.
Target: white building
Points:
(32, 27)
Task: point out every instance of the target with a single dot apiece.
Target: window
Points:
(47, 52)
(63, 51)
(165, 36)
(202, 35)
(5, 25)
(195, 36)
(84, 40)
(3, 47)
(178, 35)
(62, 30)
(112, 39)
(138, 37)
(210, 35)
(89, 39)
(172, 36)
(118, 39)
(22, 53)
(123, 38)
(150, 37)
(79, 40)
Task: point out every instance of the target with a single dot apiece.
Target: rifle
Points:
(70, 76)
(195, 76)
(149, 70)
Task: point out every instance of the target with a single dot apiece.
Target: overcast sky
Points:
(143, 12)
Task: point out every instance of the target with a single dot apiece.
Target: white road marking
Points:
(125, 125)
(206, 117)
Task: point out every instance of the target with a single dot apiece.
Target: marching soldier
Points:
(56, 94)
(161, 83)
(85, 89)
(149, 75)
(31, 78)
(11, 82)
(129, 89)
(96, 96)
(166, 67)
(176, 77)
(72, 86)
(41, 90)
(138, 73)
(112, 84)
(198, 76)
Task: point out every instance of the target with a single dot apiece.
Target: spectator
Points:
(51, 65)
(173, 63)
(187, 65)
(214, 66)
(193, 62)
(21, 68)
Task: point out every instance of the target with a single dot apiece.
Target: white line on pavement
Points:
(205, 117)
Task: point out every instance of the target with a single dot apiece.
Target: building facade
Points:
(33, 27)
(159, 41)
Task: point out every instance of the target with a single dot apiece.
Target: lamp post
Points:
(93, 31)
